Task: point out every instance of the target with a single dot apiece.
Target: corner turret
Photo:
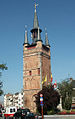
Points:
(46, 38)
(26, 37)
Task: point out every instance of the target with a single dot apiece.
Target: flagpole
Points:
(46, 79)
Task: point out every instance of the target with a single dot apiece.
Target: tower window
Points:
(30, 73)
(38, 71)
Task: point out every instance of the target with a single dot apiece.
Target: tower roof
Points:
(35, 22)
(46, 38)
(26, 37)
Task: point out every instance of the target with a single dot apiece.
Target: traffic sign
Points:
(41, 95)
(41, 99)
(41, 105)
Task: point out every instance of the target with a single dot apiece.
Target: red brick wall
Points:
(36, 65)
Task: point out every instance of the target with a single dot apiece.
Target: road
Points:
(53, 117)
(59, 117)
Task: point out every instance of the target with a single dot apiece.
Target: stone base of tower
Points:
(29, 99)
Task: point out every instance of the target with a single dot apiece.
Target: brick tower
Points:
(36, 64)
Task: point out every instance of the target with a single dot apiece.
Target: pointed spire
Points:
(26, 36)
(46, 38)
(36, 23)
(34, 31)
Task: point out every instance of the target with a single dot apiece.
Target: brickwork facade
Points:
(36, 65)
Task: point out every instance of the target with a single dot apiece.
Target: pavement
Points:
(53, 117)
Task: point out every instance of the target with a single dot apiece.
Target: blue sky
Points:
(58, 16)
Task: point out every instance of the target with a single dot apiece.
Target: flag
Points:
(51, 78)
(44, 79)
(55, 84)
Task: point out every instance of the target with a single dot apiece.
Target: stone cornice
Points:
(38, 53)
(30, 89)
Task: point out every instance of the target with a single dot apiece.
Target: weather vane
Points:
(35, 5)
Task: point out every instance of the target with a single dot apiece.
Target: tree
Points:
(65, 88)
(2, 67)
(51, 99)
(1, 91)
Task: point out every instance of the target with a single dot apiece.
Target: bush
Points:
(51, 99)
(51, 112)
(73, 110)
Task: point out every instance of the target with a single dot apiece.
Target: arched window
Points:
(38, 71)
(30, 73)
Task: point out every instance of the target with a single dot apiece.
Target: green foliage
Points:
(51, 99)
(67, 103)
(2, 67)
(51, 112)
(65, 88)
(68, 111)
(73, 110)
(1, 91)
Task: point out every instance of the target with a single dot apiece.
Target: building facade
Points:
(73, 94)
(13, 100)
(8, 100)
(36, 64)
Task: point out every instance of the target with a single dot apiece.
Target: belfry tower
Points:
(36, 64)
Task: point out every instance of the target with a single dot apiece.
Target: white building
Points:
(18, 100)
(8, 100)
(14, 100)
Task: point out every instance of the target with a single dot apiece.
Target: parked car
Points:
(30, 116)
(22, 113)
(0, 113)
